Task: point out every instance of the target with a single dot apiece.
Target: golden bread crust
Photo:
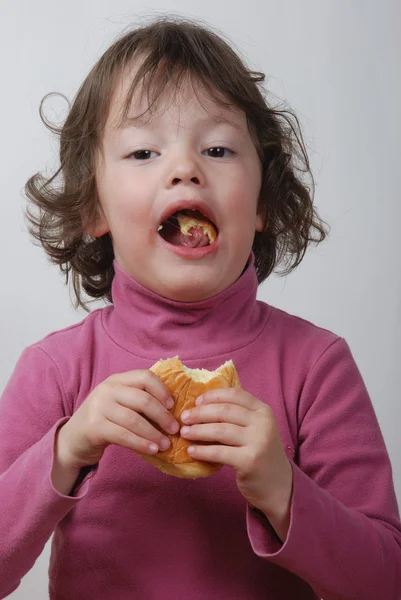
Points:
(185, 389)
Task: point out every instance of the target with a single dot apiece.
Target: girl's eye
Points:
(217, 152)
(142, 154)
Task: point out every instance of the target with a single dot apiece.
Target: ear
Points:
(99, 227)
(259, 223)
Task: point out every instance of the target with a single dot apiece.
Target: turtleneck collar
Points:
(149, 325)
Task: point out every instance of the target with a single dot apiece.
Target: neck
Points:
(155, 327)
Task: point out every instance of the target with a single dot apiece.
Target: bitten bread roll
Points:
(185, 385)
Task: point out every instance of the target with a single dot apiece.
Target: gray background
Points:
(337, 63)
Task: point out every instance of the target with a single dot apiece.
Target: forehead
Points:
(187, 99)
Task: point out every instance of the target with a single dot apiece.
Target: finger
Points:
(231, 395)
(217, 413)
(141, 401)
(147, 381)
(223, 455)
(114, 434)
(223, 433)
(132, 421)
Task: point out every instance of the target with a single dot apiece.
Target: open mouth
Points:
(189, 228)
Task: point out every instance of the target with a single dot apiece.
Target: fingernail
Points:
(170, 403)
(199, 400)
(191, 449)
(184, 430)
(164, 444)
(153, 448)
(174, 427)
(185, 415)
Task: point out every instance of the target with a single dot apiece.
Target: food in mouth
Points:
(188, 228)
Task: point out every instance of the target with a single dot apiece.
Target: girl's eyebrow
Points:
(142, 122)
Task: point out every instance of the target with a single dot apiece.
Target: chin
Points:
(195, 285)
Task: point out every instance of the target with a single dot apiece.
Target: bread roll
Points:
(185, 385)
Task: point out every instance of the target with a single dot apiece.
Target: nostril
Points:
(193, 179)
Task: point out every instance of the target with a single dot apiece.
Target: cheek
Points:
(244, 201)
(123, 199)
(247, 182)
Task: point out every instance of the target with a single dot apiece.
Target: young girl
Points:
(170, 119)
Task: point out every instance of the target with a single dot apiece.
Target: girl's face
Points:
(180, 155)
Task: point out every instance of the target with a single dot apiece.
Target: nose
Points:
(184, 170)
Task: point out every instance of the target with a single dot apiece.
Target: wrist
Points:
(64, 474)
(62, 454)
(278, 506)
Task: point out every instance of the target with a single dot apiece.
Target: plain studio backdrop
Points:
(336, 63)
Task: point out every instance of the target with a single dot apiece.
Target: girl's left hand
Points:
(248, 440)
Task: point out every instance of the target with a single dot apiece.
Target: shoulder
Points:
(296, 328)
(64, 358)
(300, 342)
(72, 335)
(70, 344)
(311, 358)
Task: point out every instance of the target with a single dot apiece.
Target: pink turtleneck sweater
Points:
(129, 531)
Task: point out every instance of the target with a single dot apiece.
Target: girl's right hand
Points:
(116, 412)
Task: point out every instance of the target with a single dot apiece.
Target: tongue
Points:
(197, 239)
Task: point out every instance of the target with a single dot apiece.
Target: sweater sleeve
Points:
(345, 536)
(32, 408)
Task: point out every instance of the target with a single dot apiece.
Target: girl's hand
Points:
(116, 412)
(248, 440)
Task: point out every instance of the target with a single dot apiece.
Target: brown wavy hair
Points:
(173, 48)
